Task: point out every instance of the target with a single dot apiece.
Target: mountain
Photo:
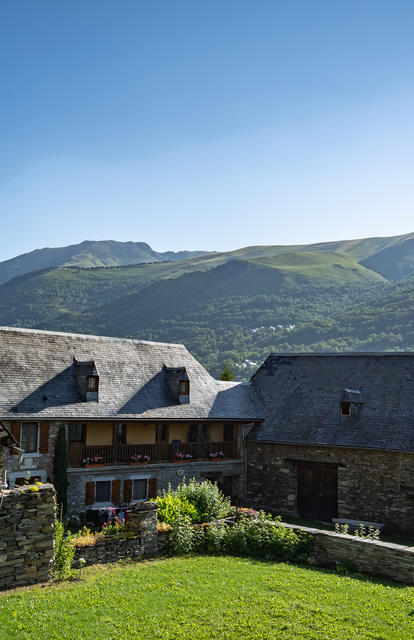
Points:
(395, 261)
(101, 253)
(233, 306)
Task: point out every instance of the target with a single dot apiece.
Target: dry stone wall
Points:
(26, 535)
(142, 522)
(374, 557)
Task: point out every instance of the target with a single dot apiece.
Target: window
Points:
(228, 432)
(29, 437)
(184, 388)
(121, 434)
(162, 432)
(103, 491)
(140, 489)
(345, 408)
(92, 383)
(76, 432)
(20, 482)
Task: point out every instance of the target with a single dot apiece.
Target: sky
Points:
(205, 124)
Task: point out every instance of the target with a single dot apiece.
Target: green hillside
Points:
(395, 261)
(104, 253)
(109, 253)
(234, 306)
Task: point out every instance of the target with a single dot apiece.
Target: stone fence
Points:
(27, 517)
(142, 521)
(374, 557)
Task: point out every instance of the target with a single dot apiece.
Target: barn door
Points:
(317, 491)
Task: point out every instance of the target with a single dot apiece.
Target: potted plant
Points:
(216, 455)
(95, 461)
(179, 456)
(136, 459)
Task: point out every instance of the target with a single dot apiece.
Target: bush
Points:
(206, 497)
(263, 537)
(170, 507)
(182, 536)
(64, 552)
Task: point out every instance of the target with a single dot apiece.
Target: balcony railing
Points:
(157, 452)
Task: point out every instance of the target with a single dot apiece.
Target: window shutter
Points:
(152, 488)
(127, 490)
(90, 493)
(44, 437)
(116, 491)
(15, 429)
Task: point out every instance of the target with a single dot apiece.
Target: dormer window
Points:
(345, 408)
(93, 383)
(178, 383)
(184, 388)
(87, 378)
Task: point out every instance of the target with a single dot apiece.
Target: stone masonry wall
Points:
(373, 486)
(26, 535)
(374, 557)
(167, 473)
(144, 541)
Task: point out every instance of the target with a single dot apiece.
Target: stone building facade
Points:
(137, 416)
(337, 438)
(319, 436)
(372, 486)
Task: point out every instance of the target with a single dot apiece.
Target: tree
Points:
(227, 373)
(59, 470)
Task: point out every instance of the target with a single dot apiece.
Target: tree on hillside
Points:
(227, 373)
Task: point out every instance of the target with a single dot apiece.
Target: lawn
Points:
(209, 597)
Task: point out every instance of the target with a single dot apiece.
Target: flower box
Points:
(137, 464)
(93, 464)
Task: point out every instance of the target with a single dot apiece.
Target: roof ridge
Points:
(89, 336)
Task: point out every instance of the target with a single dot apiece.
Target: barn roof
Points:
(301, 396)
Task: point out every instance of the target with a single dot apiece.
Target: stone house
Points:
(337, 439)
(317, 436)
(8, 447)
(137, 416)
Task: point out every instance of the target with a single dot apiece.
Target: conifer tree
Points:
(59, 470)
(227, 373)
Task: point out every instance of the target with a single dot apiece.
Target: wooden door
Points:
(317, 491)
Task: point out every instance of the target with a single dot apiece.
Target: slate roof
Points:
(301, 395)
(37, 380)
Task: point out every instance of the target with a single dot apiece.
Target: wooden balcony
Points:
(120, 455)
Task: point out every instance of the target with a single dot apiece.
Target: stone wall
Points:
(26, 535)
(374, 557)
(373, 486)
(167, 473)
(142, 522)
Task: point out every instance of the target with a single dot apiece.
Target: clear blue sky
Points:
(207, 124)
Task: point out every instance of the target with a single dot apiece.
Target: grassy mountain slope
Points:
(395, 261)
(110, 253)
(214, 312)
(105, 253)
(234, 306)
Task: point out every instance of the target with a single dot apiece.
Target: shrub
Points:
(182, 536)
(263, 537)
(206, 497)
(64, 552)
(170, 507)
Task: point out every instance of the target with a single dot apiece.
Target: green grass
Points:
(210, 597)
